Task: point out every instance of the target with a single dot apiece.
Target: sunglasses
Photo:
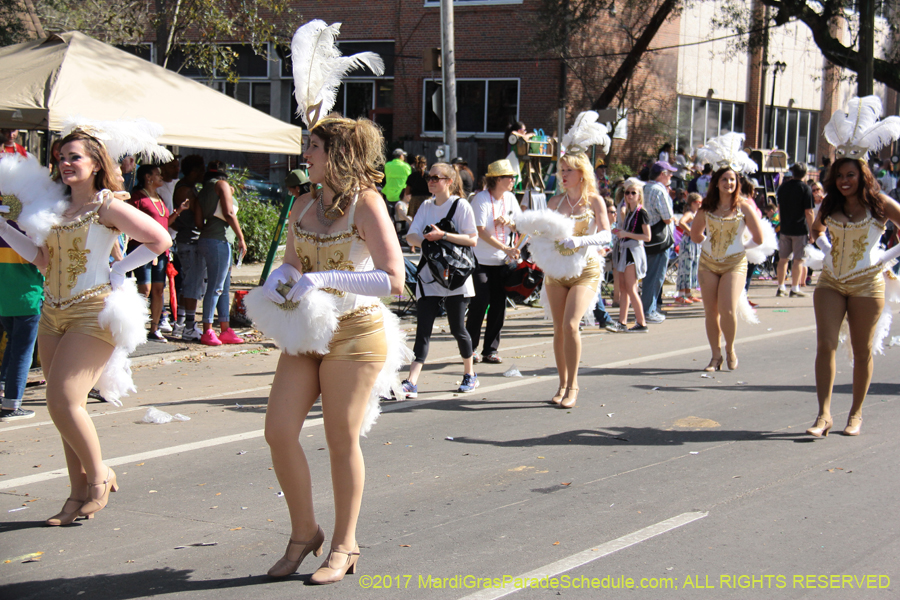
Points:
(435, 178)
(632, 193)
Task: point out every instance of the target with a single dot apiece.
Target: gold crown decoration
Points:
(319, 68)
(727, 151)
(859, 131)
(586, 132)
(13, 206)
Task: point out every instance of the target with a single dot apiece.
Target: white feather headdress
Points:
(319, 68)
(859, 131)
(727, 151)
(123, 137)
(586, 132)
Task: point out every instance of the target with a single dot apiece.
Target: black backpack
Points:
(449, 263)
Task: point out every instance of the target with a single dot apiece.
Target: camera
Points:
(428, 229)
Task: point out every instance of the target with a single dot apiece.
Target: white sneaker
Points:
(191, 335)
(164, 325)
(177, 329)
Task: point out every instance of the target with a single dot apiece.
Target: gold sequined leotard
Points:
(723, 249)
(590, 276)
(852, 267)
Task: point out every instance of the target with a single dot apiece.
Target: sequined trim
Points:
(860, 225)
(321, 239)
(79, 259)
(563, 250)
(91, 217)
(94, 291)
(861, 273)
(585, 216)
(358, 312)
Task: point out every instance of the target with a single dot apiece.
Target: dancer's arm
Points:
(291, 268)
(22, 244)
(698, 226)
(602, 235)
(751, 220)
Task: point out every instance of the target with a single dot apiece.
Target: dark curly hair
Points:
(867, 192)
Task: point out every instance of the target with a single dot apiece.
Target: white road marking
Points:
(591, 554)
(48, 475)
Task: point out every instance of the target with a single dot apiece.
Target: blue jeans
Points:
(217, 255)
(653, 281)
(21, 332)
(600, 312)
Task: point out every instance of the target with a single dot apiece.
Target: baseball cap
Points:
(660, 166)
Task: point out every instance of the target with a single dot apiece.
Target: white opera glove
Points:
(823, 243)
(890, 254)
(18, 241)
(282, 274)
(601, 238)
(750, 244)
(138, 258)
(365, 283)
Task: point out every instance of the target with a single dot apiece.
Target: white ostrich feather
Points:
(727, 151)
(307, 327)
(319, 68)
(758, 254)
(813, 257)
(746, 312)
(125, 315)
(586, 132)
(43, 200)
(124, 137)
(388, 381)
(859, 131)
(547, 228)
(545, 223)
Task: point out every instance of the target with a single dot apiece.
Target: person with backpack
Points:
(432, 224)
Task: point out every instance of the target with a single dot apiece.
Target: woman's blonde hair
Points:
(355, 151)
(448, 171)
(580, 162)
(628, 185)
(105, 178)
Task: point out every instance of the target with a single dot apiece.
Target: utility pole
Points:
(865, 77)
(448, 78)
(563, 80)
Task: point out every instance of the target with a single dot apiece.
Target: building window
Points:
(483, 106)
(359, 98)
(795, 131)
(473, 2)
(247, 64)
(256, 94)
(700, 119)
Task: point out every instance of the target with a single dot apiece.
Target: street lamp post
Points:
(777, 67)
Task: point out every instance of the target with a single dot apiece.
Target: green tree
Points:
(12, 31)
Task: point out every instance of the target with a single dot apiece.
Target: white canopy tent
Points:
(45, 81)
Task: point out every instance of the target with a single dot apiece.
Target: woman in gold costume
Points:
(719, 227)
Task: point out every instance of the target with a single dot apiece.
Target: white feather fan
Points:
(124, 137)
(43, 200)
(307, 327)
(547, 228)
(727, 151)
(859, 131)
(586, 132)
(319, 68)
(758, 254)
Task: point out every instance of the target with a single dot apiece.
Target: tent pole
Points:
(279, 229)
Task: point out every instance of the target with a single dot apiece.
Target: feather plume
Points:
(859, 131)
(727, 151)
(43, 200)
(586, 132)
(319, 68)
(124, 137)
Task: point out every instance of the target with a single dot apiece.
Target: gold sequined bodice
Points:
(79, 260)
(724, 235)
(582, 223)
(853, 247)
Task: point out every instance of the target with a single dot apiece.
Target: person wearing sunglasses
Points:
(630, 260)
(446, 187)
(496, 210)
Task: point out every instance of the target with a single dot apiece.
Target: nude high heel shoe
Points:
(286, 566)
(98, 494)
(66, 516)
(570, 398)
(332, 574)
(714, 365)
(557, 398)
(821, 428)
(732, 361)
(853, 426)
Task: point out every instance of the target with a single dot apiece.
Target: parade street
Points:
(663, 479)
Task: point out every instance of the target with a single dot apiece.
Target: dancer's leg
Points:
(709, 287)
(729, 294)
(578, 301)
(556, 296)
(294, 390)
(346, 387)
(862, 317)
(830, 307)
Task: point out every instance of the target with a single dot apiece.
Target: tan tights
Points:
(345, 387)
(72, 364)
(567, 307)
(721, 294)
(862, 317)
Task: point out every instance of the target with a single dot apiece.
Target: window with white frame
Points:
(699, 119)
(483, 106)
(794, 131)
(252, 88)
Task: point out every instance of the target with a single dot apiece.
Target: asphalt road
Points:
(680, 485)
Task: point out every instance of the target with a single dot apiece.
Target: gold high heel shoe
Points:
(557, 398)
(714, 365)
(570, 398)
(98, 501)
(853, 426)
(732, 361)
(67, 517)
(328, 574)
(821, 428)
(286, 566)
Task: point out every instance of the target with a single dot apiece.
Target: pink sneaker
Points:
(210, 338)
(230, 337)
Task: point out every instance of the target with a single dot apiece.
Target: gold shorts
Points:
(79, 318)
(359, 338)
(868, 285)
(736, 263)
(590, 277)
